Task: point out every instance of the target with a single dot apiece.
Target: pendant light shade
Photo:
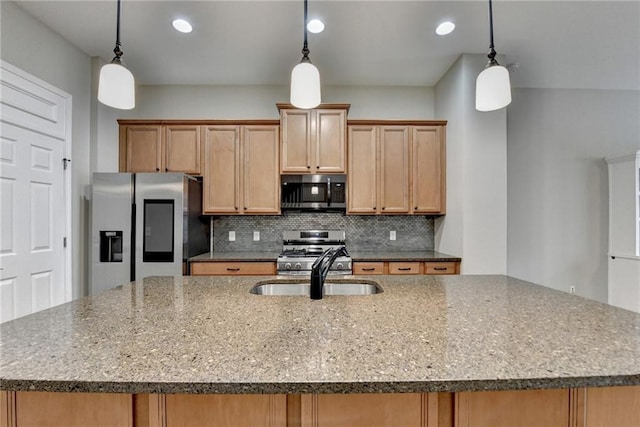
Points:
(493, 86)
(305, 77)
(116, 86)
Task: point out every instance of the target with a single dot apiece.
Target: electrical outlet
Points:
(392, 235)
(572, 289)
(232, 236)
(256, 236)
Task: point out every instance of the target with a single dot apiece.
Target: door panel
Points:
(261, 189)
(394, 169)
(221, 174)
(363, 170)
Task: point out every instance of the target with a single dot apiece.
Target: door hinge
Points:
(64, 242)
(65, 163)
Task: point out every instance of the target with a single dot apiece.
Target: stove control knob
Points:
(298, 266)
(288, 266)
(339, 266)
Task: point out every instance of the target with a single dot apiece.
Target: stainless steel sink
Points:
(335, 287)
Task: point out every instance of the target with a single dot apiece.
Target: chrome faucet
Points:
(320, 268)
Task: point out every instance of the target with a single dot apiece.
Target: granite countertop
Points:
(422, 334)
(355, 255)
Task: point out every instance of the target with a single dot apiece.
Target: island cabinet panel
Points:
(529, 408)
(366, 410)
(233, 268)
(44, 409)
(611, 406)
(255, 410)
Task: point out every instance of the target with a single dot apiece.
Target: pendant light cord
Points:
(492, 52)
(305, 46)
(117, 49)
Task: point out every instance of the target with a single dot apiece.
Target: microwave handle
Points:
(328, 191)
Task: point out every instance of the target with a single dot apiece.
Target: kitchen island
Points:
(441, 350)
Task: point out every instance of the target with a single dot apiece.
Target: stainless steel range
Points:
(301, 248)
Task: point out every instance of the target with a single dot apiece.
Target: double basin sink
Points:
(287, 287)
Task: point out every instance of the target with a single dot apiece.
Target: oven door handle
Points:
(328, 192)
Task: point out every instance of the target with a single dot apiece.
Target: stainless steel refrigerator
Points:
(144, 224)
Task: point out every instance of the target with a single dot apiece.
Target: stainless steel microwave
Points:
(314, 192)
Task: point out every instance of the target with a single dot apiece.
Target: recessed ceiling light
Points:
(445, 28)
(182, 25)
(315, 26)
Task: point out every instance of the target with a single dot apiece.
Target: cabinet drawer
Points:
(368, 268)
(404, 268)
(440, 268)
(232, 268)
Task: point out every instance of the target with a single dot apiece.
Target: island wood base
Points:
(582, 407)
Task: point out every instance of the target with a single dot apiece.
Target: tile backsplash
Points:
(364, 233)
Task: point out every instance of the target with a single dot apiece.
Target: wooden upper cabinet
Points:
(362, 187)
(428, 169)
(141, 148)
(396, 168)
(182, 149)
(313, 141)
(221, 177)
(241, 170)
(261, 186)
(156, 147)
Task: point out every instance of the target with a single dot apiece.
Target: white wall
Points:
(252, 102)
(29, 45)
(557, 192)
(475, 225)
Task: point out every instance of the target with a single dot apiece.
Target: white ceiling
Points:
(557, 44)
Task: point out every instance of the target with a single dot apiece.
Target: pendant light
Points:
(116, 87)
(305, 77)
(493, 88)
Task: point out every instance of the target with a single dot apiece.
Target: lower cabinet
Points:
(411, 267)
(209, 268)
(581, 407)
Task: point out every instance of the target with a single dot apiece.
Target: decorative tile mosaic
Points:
(363, 233)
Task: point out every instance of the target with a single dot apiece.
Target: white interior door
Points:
(34, 209)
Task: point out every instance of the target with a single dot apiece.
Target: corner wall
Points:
(558, 185)
(475, 226)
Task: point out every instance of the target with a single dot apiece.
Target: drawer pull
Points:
(233, 269)
(368, 269)
(404, 268)
(440, 268)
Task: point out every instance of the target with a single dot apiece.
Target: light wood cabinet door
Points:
(182, 149)
(428, 169)
(394, 169)
(363, 171)
(296, 141)
(142, 148)
(255, 410)
(261, 187)
(313, 141)
(329, 147)
(221, 177)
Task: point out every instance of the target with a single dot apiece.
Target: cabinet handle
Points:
(415, 208)
(233, 269)
(235, 207)
(404, 268)
(383, 208)
(157, 169)
(440, 268)
(374, 208)
(245, 208)
(308, 167)
(368, 269)
(166, 169)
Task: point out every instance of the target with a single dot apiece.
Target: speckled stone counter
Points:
(430, 256)
(422, 334)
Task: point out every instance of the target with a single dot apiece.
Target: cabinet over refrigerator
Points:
(144, 224)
